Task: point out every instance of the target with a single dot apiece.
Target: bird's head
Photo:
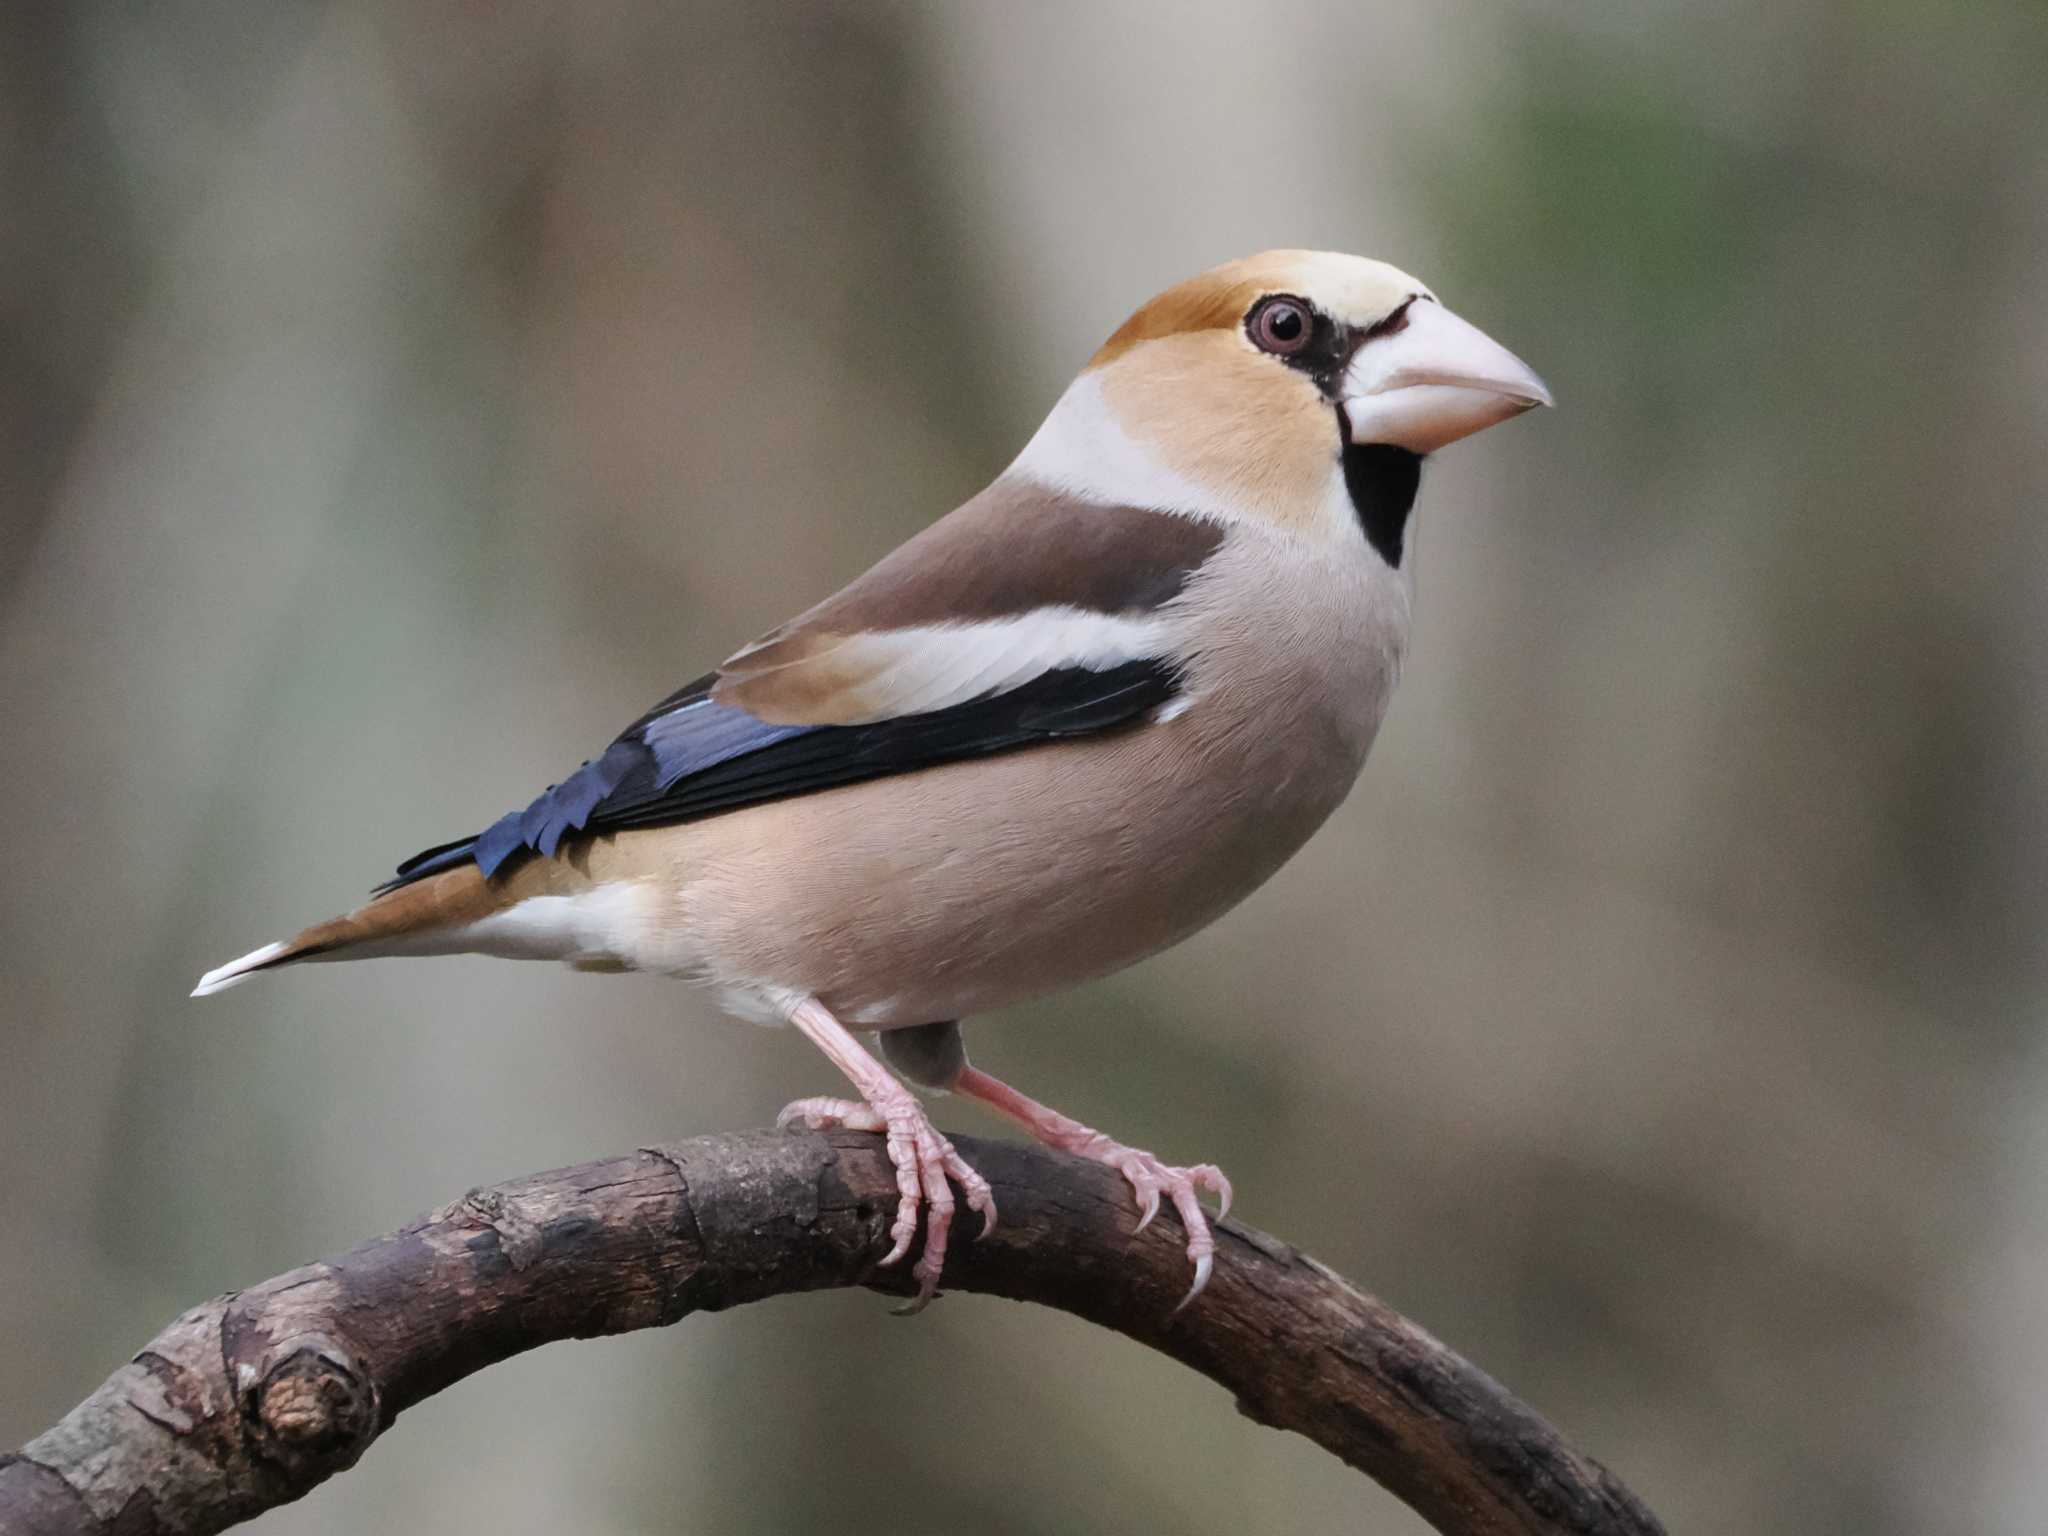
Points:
(1256, 380)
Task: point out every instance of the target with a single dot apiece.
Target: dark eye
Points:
(1280, 325)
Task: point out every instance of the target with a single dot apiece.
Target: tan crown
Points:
(1352, 289)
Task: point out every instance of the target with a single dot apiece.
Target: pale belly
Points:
(953, 891)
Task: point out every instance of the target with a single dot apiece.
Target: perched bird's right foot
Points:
(1148, 1177)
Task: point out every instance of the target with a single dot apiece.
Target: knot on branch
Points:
(519, 1236)
(311, 1414)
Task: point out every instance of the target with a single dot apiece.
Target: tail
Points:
(419, 918)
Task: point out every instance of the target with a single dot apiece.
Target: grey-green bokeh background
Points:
(396, 397)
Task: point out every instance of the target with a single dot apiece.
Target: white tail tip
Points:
(235, 972)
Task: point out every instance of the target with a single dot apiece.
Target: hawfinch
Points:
(1062, 728)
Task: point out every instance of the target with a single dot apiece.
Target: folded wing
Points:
(1026, 616)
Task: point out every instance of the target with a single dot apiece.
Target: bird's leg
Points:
(922, 1157)
(1149, 1178)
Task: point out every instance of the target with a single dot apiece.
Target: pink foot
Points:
(1148, 1177)
(923, 1159)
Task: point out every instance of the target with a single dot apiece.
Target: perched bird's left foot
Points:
(923, 1159)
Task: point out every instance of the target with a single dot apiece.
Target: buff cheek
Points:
(1229, 419)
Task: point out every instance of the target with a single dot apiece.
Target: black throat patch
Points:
(1382, 481)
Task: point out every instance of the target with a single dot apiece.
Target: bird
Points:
(1059, 730)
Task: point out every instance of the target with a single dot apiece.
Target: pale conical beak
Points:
(1432, 381)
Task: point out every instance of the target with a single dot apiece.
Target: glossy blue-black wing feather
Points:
(693, 756)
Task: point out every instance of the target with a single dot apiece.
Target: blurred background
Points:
(395, 398)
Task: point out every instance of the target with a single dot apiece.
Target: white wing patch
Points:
(950, 664)
(886, 674)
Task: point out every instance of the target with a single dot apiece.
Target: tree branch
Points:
(251, 1400)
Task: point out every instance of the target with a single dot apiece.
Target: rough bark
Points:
(254, 1398)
